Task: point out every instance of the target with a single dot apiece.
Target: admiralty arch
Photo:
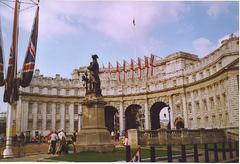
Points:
(197, 93)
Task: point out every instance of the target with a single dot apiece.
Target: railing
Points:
(184, 136)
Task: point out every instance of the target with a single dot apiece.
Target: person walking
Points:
(54, 139)
(62, 138)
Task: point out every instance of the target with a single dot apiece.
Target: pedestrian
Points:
(54, 139)
(126, 138)
(113, 135)
(63, 144)
(22, 138)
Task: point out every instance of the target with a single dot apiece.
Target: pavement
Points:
(30, 158)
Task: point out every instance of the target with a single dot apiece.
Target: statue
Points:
(93, 84)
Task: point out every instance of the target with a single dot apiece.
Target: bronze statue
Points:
(93, 84)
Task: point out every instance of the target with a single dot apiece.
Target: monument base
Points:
(97, 140)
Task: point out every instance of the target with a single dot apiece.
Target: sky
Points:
(70, 31)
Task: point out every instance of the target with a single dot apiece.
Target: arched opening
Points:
(179, 123)
(111, 119)
(131, 118)
(155, 114)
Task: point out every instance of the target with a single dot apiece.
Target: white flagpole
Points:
(7, 153)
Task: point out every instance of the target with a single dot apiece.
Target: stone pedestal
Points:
(132, 138)
(94, 136)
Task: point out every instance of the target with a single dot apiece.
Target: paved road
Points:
(32, 158)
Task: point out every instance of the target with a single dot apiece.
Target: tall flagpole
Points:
(135, 38)
(7, 153)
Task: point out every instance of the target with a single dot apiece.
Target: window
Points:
(66, 109)
(49, 111)
(39, 125)
(30, 108)
(67, 92)
(31, 89)
(189, 107)
(205, 105)
(67, 125)
(58, 91)
(39, 110)
(30, 124)
(75, 125)
(58, 125)
(187, 80)
(75, 108)
(214, 68)
(58, 109)
(194, 77)
(201, 75)
(174, 83)
(211, 103)
(75, 92)
(218, 102)
(213, 121)
(208, 72)
(49, 125)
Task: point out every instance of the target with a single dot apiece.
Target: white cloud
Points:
(217, 8)
(202, 46)
(113, 19)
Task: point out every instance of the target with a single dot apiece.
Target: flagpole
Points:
(7, 153)
(135, 40)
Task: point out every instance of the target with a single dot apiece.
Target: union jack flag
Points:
(1, 58)
(11, 90)
(29, 62)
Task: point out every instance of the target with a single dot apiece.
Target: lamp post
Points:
(169, 124)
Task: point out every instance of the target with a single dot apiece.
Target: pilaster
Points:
(71, 118)
(35, 108)
(53, 116)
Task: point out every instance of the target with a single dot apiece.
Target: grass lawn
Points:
(117, 155)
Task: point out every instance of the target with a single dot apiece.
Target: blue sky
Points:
(70, 31)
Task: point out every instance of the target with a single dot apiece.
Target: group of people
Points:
(54, 137)
(117, 136)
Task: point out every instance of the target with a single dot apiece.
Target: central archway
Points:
(154, 114)
(111, 118)
(131, 119)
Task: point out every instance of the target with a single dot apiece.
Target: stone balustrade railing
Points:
(184, 136)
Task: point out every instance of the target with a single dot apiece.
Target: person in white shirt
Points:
(62, 138)
(54, 139)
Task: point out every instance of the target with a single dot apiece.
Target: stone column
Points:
(201, 113)
(232, 96)
(62, 115)
(194, 111)
(71, 118)
(53, 116)
(185, 115)
(171, 112)
(19, 116)
(44, 116)
(121, 117)
(35, 108)
(146, 113)
(25, 116)
(79, 116)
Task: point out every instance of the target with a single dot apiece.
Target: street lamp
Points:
(169, 124)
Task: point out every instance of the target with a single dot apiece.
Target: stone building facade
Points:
(198, 92)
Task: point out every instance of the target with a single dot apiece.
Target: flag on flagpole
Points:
(132, 68)
(146, 63)
(1, 58)
(118, 71)
(11, 90)
(29, 62)
(140, 67)
(134, 23)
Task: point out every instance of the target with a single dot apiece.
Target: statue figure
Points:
(93, 83)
